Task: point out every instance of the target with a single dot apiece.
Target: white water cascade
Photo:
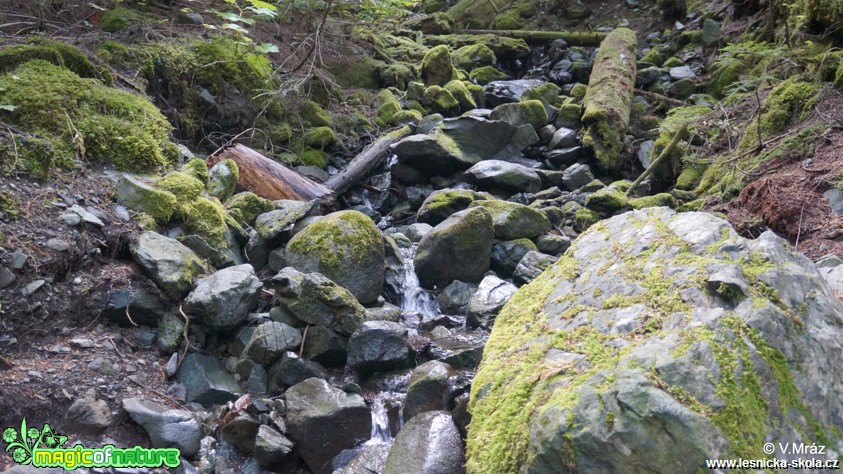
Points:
(414, 298)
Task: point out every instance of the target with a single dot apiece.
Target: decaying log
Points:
(608, 98)
(269, 179)
(573, 38)
(365, 162)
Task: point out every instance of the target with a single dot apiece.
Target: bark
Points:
(269, 179)
(573, 38)
(365, 162)
(608, 98)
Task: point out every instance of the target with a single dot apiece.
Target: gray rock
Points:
(270, 340)
(563, 138)
(323, 421)
(830, 261)
(417, 231)
(455, 297)
(681, 72)
(224, 298)
(313, 298)
(7, 278)
(682, 89)
(553, 244)
(87, 415)
(442, 203)
(240, 432)
(190, 18)
(531, 266)
(169, 333)
(564, 156)
(166, 427)
(325, 346)
(710, 31)
(497, 174)
(221, 255)
(686, 310)
(346, 247)
(273, 450)
(428, 389)
(834, 277)
(487, 301)
(222, 179)
(17, 260)
(647, 76)
(428, 444)
(456, 249)
(86, 216)
(459, 143)
(370, 459)
(206, 381)
(32, 287)
(275, 227)
(171, 265)
(378, 346)
(835, 200)
(277, 259)
(58, 245)
(507, 254)
(70, 219)
(387, 312)
(576, 176)
(645, 153)
(515, 221)
(139, 301)
(503, 92)
(134, 193)
(292, 369)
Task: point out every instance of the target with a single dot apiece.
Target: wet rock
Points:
(442, 203)
(346, 247)
(206, 381)
(564, 156)
(576, 176)
(681, 72)
(417, 231)
(275, 227)
(563, 138)
(378, 346)
(429, 443)
(456, 249)
(497, 174)
(87, 415)
(7, 278)
(553, 244)
(325, 347)
(531, 266)
(166, 427)
(428, 389)
(487, 301)
(270, 340)
(514, 221)
(507, 254)
(292, 369)
(323, 421)
(222, 179)
(224, 298)
(527, 112)
(273, 450)
(313, 298)
(503, 92)
(387, 312)
(455, 297)
(370, 459)
(240, 432)
(171, 265)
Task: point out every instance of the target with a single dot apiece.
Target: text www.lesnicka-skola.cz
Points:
(772, 463)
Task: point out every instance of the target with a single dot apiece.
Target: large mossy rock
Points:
(436, 67)
(346, 247)
(459, 248)
(473, 56)
(659, 339)
(314, 299)
(513, 220)
(171, 265)
(439, 205)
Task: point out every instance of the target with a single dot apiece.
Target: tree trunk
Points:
(269, 179)
(365, 162)
(573, 38)
(608, 98)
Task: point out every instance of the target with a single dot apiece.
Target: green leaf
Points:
(235, 27)
(266, 48)
(248, 21)
(228, 16)
(263, 5)
(263, 11)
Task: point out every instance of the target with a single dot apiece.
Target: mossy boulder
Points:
(606, 201)
(527, 112)
(345, 246)
(198, 169)
(658, 339)
(578, 91)
(144, 198)
(439, 205)
(547, 94)
(440, 100)
(404, 117)
(68, 117)
(436, 67)
(396, 75)
(359, 72)
(486, 74)
(118, 19)
(473, 56)
(458, 248)
(507, 254)
(55, 52)
(460, 92)
(319, 138)
(568, 116)
(315, 299)
(314, 115)
(791, 99)
(245, 207)
(514, 221)
(223, 178)
(171, 265)
(312, 157)
(182, 185)
(656, 200)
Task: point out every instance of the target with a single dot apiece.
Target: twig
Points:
(130, 316)
(660, 158)
(115, 348)
(156, 392)
(316, 34)
(303, 338)
(184, 336)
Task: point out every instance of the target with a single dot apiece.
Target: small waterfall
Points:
(380, 422)
(414, 298)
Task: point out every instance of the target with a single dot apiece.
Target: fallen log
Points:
(268, 178)
(608, 98)
(573, 38)
(365, 162)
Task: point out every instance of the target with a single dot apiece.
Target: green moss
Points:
(578, 91)
(404, 117)
(486, 74)
(585, 218)
(340, 240)
(57, 53)
(158, 204)
(118, 19)
(695, 205)
(9, 204)
(606, 201)
(311, 157)
(206, 218)
(460, 92)
(436, 67)
(673, 62)
(473, 56)
(83, 118)
(509, 20)
(528, 111)
(247, 206)
(146, 221)
(319, 137)
(314, 115)
(547, 94)
(360, 72)
(658, 200)
(654, 57)
(569, 115)
(396, 75)
(690, 176)
(791, 99)
(196, 168)
(676, 119)
(183, 186)
(387, 110)
(439, 100)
